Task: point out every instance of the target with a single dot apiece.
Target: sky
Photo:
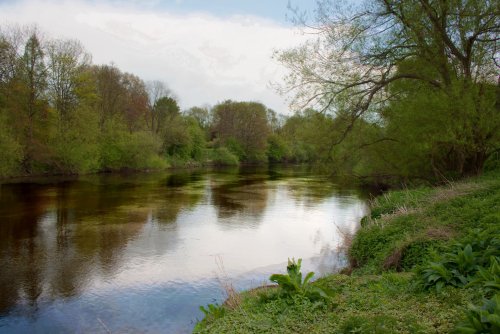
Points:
(206, 51)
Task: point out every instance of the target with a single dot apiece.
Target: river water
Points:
(141, 253)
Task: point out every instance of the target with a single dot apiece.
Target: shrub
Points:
(277, 149)
(223, 157)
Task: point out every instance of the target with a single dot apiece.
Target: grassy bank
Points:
(418, 264)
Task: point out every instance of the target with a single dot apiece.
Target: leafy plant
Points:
(456, 269)
(436, 275)
(463, 266)
(484, 319)
(213, 311)
(292, 284)
(484, 243)
(488, 278)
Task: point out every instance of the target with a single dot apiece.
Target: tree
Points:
(243, 127)
(32, 91)
(162, 103)
(111, 93)
(34, 72)
(67, 60)
(136, 102)
(202, 115)
(10, 45)
(447, 47)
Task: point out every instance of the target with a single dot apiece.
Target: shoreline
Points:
(382, 288)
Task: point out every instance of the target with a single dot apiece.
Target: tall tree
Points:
(438, 46)
(34, 72)
(244, 126)
(67, 61)
(111, 93)
(161, 100)
(136, 102)
(33, 84)
(202, 115)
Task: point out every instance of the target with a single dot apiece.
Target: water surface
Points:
(141, 253)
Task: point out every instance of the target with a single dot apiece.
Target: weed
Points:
(465, 265)
(213, 311)
(233, 298)
(488, 279)
(484, 319)
(292, 283)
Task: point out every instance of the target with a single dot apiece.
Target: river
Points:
(141, 252)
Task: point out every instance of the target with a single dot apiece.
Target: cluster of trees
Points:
(59, 113)
(411, 88)
(402, 90)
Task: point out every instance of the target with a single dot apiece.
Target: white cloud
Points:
(204, 59)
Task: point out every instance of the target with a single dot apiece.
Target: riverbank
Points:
(418, 263)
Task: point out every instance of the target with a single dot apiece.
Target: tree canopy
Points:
(425, 66)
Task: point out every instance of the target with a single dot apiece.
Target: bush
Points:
(277, 149)
(120, 149)
(223, 157)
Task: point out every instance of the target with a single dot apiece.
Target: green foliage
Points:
(236, 148)
(389, 203)
(484, 319)
(243, 128)
(213, 311)
(488, 278)
(292, 283)
(437, 275)
(61, 114)
(359, 304)
(184, 139)
(399, 114)
(75, 145)
(375, 325)
(304, 137)
(12, 153)
(410, 224)
(221, 156)
(465, 265)
(120, 149)
(277, 150)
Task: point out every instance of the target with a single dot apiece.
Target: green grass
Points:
(406, 229)
(369, 304)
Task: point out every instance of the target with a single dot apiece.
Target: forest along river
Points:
(142, 252)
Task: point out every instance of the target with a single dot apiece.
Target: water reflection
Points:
(139, 250)
(241, 200)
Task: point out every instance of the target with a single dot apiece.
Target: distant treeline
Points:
(425, 116)
(59, 113)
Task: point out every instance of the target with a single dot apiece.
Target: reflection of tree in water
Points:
(182, 179)
(313, 190)
(240, 199)
(310, 191)
(178, 192)
(20, 257)
(55, 239)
